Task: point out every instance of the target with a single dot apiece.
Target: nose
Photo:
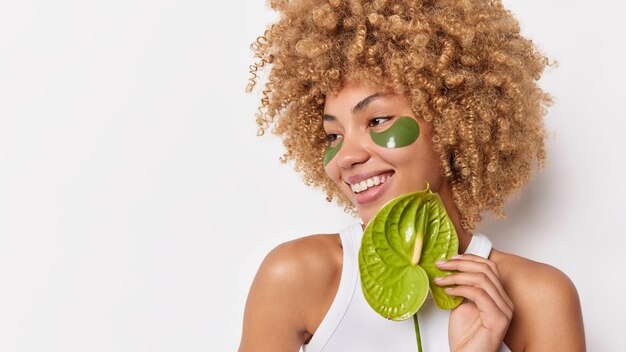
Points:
(353, 151)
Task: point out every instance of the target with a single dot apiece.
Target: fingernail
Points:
(456, 256)
(448, 289)
(437, 279)
(440, 262)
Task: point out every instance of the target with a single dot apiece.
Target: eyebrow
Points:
(358, 107)
(365, 102)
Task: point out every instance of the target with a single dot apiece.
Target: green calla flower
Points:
(398, 252)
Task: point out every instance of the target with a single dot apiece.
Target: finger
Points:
(491, 316)
(478, 280)
(468, 265)
(494, 269)
(479, 259)
(474, 265)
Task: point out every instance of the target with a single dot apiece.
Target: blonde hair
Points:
(463, 65)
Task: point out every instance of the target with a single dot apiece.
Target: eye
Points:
(378, 120)
(331, 137)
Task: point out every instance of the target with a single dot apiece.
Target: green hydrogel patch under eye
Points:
(331, 152)
(403, 132)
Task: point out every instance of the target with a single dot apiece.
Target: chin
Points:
(367, 214)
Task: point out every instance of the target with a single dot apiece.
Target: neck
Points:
(465, 236)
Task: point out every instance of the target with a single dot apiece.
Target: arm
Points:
(291, 293)
(548, 316)
(272, 317)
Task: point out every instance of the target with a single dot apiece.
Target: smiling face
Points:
(377, 151)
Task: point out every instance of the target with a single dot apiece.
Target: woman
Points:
(343, 72)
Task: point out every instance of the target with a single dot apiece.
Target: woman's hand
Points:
(481, 321)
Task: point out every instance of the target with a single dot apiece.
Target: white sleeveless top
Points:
(352, 325)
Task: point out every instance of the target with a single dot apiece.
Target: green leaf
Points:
(440, 243)
(393, 285)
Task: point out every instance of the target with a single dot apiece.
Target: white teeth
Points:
(370, 182)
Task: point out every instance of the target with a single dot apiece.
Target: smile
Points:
(363, 182)
(369, 183)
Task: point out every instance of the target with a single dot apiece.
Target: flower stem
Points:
(417, 333)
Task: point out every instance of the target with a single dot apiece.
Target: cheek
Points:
(331, 168)
(333, 172)
(330, 152)
(401, 158)
(422, 165)
(416, 161)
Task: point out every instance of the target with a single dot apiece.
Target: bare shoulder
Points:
(292, 286)
(316, 255)
(547, 314)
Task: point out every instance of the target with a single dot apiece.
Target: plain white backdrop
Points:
(136, 202)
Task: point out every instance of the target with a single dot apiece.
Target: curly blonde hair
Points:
(462, 64)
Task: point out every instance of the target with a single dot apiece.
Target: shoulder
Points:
(308, 254)
(293, 281)
(302, 268)
(547, 313)
(519, 272)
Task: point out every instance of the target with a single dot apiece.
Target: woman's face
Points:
(377, 152)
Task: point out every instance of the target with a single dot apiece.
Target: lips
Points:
(369, 183)
(374, 192)
(354, 179)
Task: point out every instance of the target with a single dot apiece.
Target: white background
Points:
(136, 202)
